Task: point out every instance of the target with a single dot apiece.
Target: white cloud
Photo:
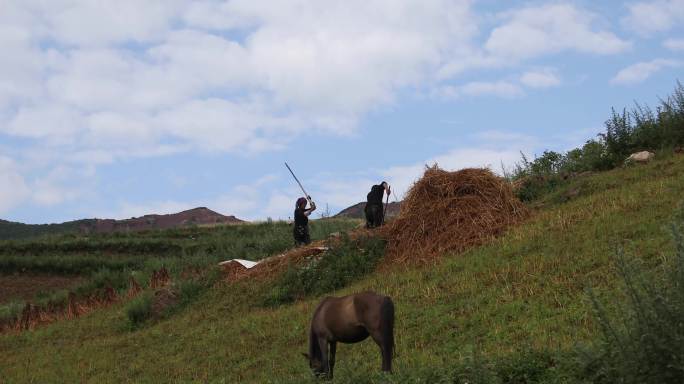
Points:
(674, 44)
(95, 23)
(639, 72)
(547, 29)
(542, 78)
(228, 76)
(91, 83)
(60, 185)
(501, 88)
(13, 188)
(648, 17)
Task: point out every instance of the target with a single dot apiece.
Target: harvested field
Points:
(27, 286)
(451, 211)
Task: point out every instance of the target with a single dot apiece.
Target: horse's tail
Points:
(387, 316)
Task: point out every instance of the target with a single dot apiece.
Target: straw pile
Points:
(451, 211)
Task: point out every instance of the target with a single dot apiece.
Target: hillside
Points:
(520, 299)
(356, 211)
(195, 216)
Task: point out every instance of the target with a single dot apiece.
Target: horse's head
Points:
(315, 364)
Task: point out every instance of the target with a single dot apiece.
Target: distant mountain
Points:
(195, 216)
(356, 211)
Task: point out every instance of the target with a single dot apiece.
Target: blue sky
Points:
(118, 109)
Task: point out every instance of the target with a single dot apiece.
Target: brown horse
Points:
(350, 319)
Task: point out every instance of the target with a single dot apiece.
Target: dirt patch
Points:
(27, 286)
(451, 211)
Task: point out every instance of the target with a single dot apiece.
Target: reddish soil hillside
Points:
(195, 216)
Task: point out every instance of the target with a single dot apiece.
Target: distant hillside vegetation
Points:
(356, 211)
(197, 216)
(11, 230)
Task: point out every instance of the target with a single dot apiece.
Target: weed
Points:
(139, 309)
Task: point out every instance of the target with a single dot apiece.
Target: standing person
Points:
(301, 221)
(375, 216)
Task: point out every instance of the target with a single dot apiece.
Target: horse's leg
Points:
(333, 349)
(323, 345)
(385, 350)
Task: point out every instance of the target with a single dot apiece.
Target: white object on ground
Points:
(641, 157)
(245, 263)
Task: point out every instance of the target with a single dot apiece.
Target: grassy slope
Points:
(524, 290)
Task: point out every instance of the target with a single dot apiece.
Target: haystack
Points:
(449, 212)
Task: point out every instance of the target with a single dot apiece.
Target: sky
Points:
(120, 109)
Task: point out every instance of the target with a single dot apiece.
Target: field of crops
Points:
(43, 270)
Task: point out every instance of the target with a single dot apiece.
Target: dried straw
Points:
(449, 212)
(274, 265)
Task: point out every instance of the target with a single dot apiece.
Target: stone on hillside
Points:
(640, 157)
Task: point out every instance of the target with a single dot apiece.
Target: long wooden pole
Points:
(297, 180)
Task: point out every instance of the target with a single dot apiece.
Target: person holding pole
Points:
(375, 214)
(301, 215)
(301, 221)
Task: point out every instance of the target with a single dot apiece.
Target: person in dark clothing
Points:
(301, 221)
(375, 215)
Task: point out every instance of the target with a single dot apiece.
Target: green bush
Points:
(336, 268)
(139, 309)
(646, 344)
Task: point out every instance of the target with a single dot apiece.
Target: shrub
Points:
(139, 309)
(338, 267)
(647, 344)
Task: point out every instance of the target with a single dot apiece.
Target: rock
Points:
(640, 157)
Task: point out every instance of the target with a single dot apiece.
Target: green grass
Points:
(80, 254)
(111, 259)
(516, 307)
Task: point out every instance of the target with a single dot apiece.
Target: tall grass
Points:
(645, 343)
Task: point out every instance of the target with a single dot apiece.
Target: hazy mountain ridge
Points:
(196, 216)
